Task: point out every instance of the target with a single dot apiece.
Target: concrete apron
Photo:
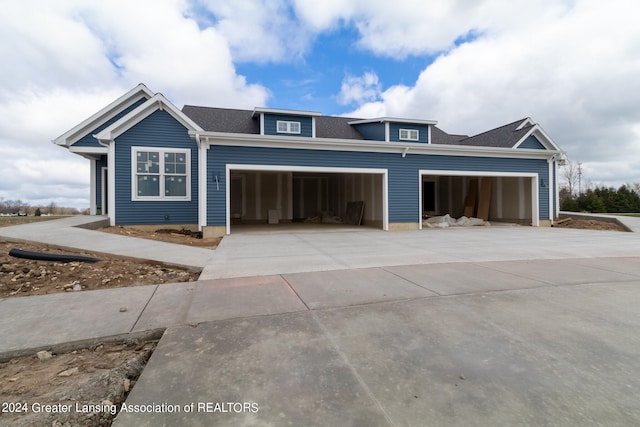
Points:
(496, 343)
(255, 254)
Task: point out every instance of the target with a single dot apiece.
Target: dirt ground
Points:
(182, 237)
(588, 224)
(24, 277)
(90, 384)
(80, 388)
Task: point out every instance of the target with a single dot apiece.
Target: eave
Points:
(157, 102)
(68, 138)
(401, 148)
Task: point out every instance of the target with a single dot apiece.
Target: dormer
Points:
(286, 123)
(391, 129)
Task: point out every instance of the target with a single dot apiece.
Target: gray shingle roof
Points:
(222, 119)
(502, 137)
(241, 121)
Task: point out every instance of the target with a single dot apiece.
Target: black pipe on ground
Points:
(40, 256)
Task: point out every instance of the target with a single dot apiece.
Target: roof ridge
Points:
(496, 128)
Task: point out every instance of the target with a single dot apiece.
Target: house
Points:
(12, 212)
(152, 163)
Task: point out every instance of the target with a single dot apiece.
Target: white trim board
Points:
(535, 214)
(286, 168)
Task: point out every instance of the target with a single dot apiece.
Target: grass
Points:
(637, 215)
(6, 221)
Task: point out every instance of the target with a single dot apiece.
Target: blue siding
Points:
(394, 132)
(89, 141)
(271, 119)
(403, 173)
(533, 143)
(163, 131)
(372, 131)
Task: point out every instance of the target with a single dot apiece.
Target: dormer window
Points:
(288, 127)
(409, 135)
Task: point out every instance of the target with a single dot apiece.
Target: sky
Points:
(472, 65)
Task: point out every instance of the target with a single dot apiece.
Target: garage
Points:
(499, 197)
(279, 195)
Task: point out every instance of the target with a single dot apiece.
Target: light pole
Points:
(579, 179)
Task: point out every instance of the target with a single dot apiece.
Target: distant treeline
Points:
(625, 199)
(9, 206)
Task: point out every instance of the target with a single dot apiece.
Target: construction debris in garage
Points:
(445, 221)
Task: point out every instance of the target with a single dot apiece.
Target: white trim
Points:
(202, 186)
(261, 123)
(409, 132)
(525, 122)
(394, 120)
(321, 169)
(157, 102)
(535, 214)
(263, 110)
(89, 150)
(542, 138)
(556, 189)
(387, 132)
(313, 127)
(550, 186)
(111, 199)
(272, 141)
(429, 134)
(93, 191)
(161, 174)
(289, 124)
(104, 115)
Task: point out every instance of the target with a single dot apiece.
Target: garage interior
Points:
(304, 198)
(499, 199)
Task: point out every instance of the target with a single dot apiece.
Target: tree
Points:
(570, 173)
(38, 212)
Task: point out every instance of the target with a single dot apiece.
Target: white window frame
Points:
(134, 172)
(409, 135)
(289, 126)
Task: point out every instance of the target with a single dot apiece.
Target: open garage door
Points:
(494, 196)
(279, 195)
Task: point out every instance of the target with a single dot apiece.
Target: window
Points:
(287, 127)
(409, 134)
(161, 174)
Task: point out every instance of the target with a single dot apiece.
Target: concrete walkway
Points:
(78, 232)
(483, 326)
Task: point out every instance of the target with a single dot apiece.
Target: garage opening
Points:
(274, 200)
(500, 198)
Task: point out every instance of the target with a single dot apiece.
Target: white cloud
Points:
(366, 88)
(574, 71)
(67, 59)
(258, 30)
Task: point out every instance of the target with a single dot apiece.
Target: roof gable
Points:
(157, 102)
(99, 119)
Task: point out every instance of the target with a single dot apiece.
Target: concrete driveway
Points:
(487, 326)
(510, 326)
(250, 254)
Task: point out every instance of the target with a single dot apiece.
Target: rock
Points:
(123, 309)
(127, 384)
(44, 355)
(69, 372)
(7, 268)
(77, 286)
